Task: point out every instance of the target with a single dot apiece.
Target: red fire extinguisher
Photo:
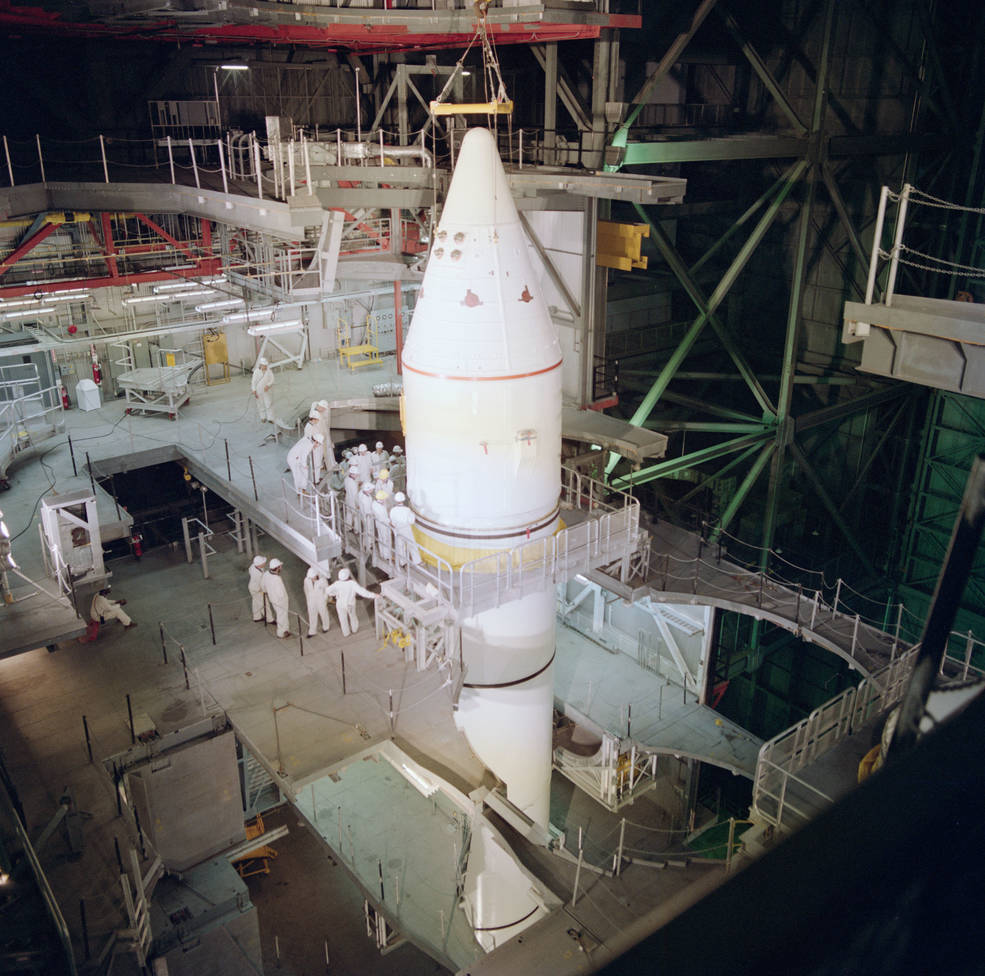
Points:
(138, 548)
(97, 372)
(66, 403)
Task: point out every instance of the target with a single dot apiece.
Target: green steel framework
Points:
(812, 156)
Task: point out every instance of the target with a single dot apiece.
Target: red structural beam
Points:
(369, 36)
(32, 242)
(109, 247)
(161, 232)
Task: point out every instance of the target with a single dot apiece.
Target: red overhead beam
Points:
(161, 232)
(33, 241)
(365, 37)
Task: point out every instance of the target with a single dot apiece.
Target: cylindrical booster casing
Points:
(482, 417)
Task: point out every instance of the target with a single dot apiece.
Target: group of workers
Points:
(313, 456)
(375, 503)
(271, 603)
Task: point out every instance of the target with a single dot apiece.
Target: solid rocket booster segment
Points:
(482, 415)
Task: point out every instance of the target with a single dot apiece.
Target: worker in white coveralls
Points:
(257, 568)
(352, 498)
(365, 464)
(345, 590)
(103, 609)
(276, 593)
(302, 459)
(381, 519)
(262, 386)
(379, 459)
(384, 484)
(366, 513)
(321, 409)
(316, 597)
(402, 518)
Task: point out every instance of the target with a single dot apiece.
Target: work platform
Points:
(930, 341)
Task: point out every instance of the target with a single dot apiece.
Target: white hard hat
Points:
(262, 361)
(312, 572)
(344, 574)
(397, 449)
(353, 472)
(259, 560)
(399, 497)
(366, 487)
(275, 564)
(363, 448)
(379, 445)
(323, 403)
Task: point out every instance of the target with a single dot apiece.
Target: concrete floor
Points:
(289, 705)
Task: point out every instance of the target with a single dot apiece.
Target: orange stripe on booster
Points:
(480, 379)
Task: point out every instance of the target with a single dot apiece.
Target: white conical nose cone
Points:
(480, 312)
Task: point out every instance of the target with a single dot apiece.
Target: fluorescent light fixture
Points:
(189, 283)
(253, 315)
(225, 303)
(423, 785)
(26, 313)
(143, 299)
(262, 330)
(81, 296)
(235, 67)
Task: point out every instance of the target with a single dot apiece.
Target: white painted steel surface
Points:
(482, 415)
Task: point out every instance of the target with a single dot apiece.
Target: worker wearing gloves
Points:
(402, 518)
(276, 593)
(257, 568)
(379, 459)
(365, 464)
(352, 498)
(366, 513)
(262, 386)
(302, 459)
(345, 590)
(381, 519)
(315, 595)
(103, 609)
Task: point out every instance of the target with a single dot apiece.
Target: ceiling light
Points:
(225, 303)
(189, 283)
(251, 316)
(261, 330)
(26, 313)
(235, 67)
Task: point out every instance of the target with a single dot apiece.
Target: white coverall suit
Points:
(402, 518)
(351, 500)
(300, 459)
(103, 609)
(382, 522)
(345, 592)
(262, 386)
(324, 428)
(277, 603)
(316, 597)
(366, 511)
(365, 468)
(256, 591)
